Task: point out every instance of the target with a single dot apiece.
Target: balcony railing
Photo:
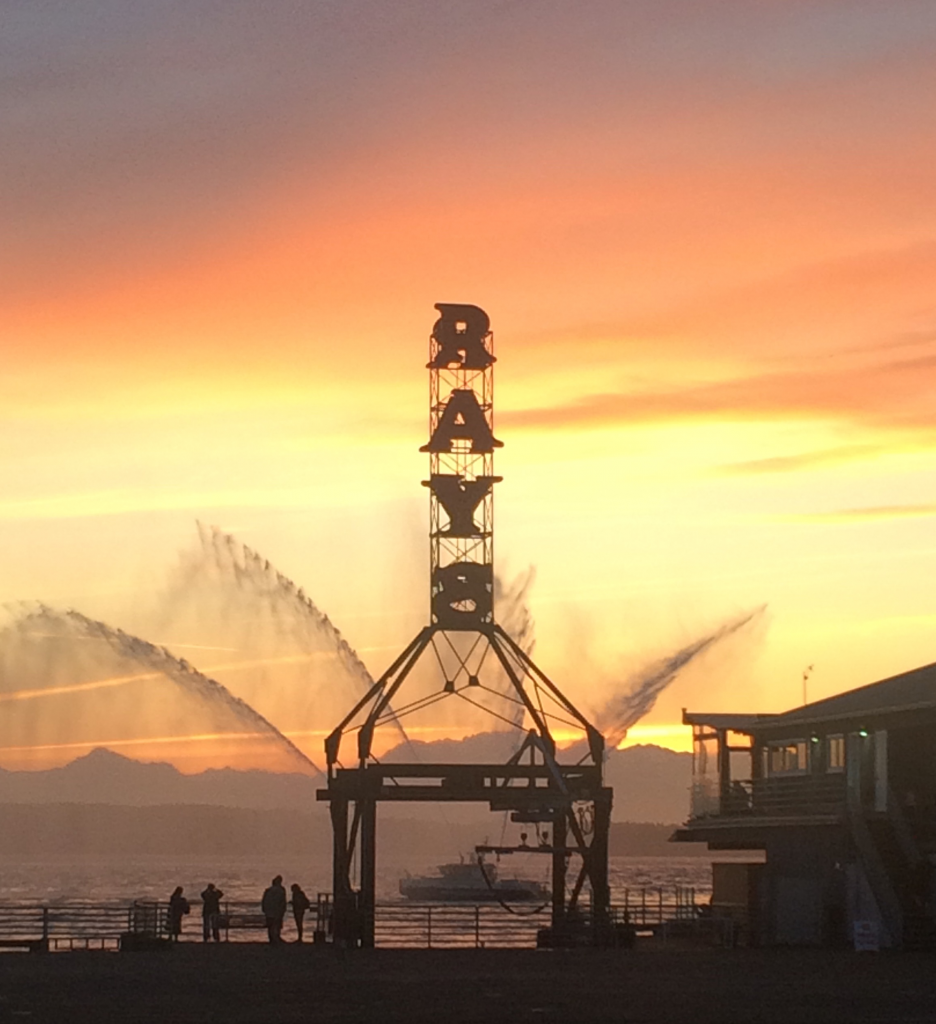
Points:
(775, 796)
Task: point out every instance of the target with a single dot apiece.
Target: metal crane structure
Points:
(464, 655)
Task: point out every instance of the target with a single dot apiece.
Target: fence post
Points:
(477, 927)
(45, 928)
(661, 905)
(429, 928)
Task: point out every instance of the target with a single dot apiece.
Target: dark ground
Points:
(239, 983)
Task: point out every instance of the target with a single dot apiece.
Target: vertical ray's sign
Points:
(461, 479)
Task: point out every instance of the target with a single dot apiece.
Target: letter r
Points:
(460, 332)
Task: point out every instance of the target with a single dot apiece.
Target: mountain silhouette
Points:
(651, 784)
(104, 777)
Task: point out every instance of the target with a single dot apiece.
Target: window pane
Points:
(836, 753)
(788, 757)
(705, 781)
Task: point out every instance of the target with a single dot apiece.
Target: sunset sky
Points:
(704, 231)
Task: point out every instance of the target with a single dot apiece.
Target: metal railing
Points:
(651, 906)
(398, 924)
(63, 926)
(455, 926)
(439, 925)
(799, 794)
(774, 796)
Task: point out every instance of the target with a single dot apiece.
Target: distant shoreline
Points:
(180, 830)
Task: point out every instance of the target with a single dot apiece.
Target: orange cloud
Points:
(894, 394)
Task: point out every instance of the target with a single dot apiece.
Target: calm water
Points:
(55, 879)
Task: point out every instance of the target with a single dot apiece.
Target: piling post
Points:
(344, 921)
(559, 863)
(368, 899)
(598, 865)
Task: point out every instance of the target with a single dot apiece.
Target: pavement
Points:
(256, 984)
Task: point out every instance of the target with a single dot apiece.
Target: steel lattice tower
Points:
(533, 785)
(461, 468)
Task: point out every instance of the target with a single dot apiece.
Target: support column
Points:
(559, 865)
(367, 900)
(724, 772)
(344, 913)
(598, 865)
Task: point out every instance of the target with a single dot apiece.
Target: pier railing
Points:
(398, 924)
(651, 906)
(453, 926)
(63, 926)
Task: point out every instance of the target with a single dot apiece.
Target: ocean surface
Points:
(67, 879)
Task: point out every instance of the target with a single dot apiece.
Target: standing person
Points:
(178, 908)
(211, 913)
(273, 906)
(300, 904)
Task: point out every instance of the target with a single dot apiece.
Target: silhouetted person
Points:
(211, 913)
(300, 904)
(178, 908)
(273, 906)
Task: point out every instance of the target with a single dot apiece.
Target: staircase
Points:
(897, 873)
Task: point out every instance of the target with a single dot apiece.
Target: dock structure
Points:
(839, 795)
(464, 655)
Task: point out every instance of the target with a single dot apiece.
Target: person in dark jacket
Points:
(178, 908)
(273, 906)
(211, 913)
(300, 904)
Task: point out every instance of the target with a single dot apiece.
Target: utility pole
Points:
(807, 672)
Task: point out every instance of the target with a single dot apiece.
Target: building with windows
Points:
(840, 798)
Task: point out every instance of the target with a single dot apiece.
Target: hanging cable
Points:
(507, 906)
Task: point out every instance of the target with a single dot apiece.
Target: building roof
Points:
(717, 720)
(909, 691)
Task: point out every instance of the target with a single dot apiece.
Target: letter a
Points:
(460, 332)
(459, 498)
(462, 419)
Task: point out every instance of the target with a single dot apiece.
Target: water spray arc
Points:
(259, 589)
(160, 662)
(628, 708)
(467, 647)
(238, 566)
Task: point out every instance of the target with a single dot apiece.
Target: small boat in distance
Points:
(468, 882)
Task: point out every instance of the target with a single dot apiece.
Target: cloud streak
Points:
(896, 395)
(803, 460)
(871, 514)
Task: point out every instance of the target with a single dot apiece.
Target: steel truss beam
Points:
(533, 785)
